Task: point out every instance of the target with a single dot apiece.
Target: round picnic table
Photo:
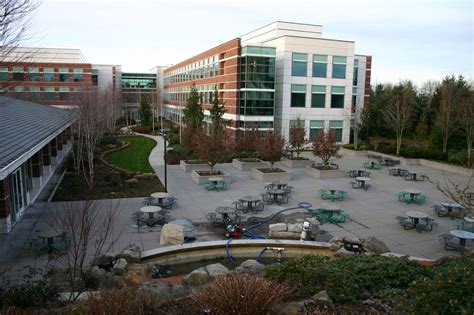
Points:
(276, 193)
(362, 180)
(160, 196)
(412, 193)
(469, 219)
(250, 200)
(330, 207)
(462, 235)
(151, 210)
(279, 185)
(225, 211)
(416, 216)
(48, 234)
(449, 206)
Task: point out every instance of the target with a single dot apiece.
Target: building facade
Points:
(273, 76)
(134, 86)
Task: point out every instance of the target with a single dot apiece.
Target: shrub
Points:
(459, 157)
(142, 129)
(448, 291)
(106, 140)
(240, 294)
(349, 146)
(174, 139)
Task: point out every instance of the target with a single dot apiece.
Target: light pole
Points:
(163, 134)
(367, 133)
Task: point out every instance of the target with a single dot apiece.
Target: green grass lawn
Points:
(134, 158)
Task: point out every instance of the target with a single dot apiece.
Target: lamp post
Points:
(367, 133)
(164, 135)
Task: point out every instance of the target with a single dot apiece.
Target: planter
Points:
(200, 179)
(282, 176)
(349, 152)
(246, 164)
(193, 165)
(323, 174)
(296, 163)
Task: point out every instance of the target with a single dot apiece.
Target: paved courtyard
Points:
(373, 212)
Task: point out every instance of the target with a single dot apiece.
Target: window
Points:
(315, 127)
(337, 97)
(299, 65)
(18, 74)
(339, 67)
(49, 93)
(356, 72)
(48, 74)
(298, 95)
(336, 127)
(318, 96)
(78, 75)
(33, 74)
(63, 74)
(354, 100)
(3, 73)
(34, 93)
(64, 93)
(320, 66)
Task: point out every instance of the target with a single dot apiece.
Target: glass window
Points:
(78, 75)
(64, 93)
(339, 67)
(337, 97)
(336, 127)
(315, 127)
(48, 74)
(299, 65)
(318, 97)
(34, 93)
(63, 74)
(18, 74)
(3, 73)
(298, 95)
(49, 93)
(320, 66)
(33, 74)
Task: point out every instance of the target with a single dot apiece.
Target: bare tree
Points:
(399, 112)
(360, 119)
(325, 147)
(271, 148)
(112, 99)
(89, 229)
(298, 139)
(466, 122)
(457, 192)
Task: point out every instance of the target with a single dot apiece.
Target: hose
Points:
(230, 258)
(261, 254)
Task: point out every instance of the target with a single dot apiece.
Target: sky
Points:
(418, 40)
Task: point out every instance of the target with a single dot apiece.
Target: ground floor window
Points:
(336, 127)
(315, 128)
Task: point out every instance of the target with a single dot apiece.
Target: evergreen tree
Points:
(145, 110)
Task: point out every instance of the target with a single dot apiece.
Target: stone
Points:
(105, 261)
(120, 267)
(322, 297)
(217, 270)
(132, 182)
(374, 245)
(167, 291)
(295, 308)
(188, 228)
(353, 240)
(295, 227)
(285, 235)
(251, 267)
(172, 234)
(336, 239)
(277, 227)
(342, 252)
(131, 254)
(197, 277)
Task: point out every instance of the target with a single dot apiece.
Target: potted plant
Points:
(296, 144)
(325, 147)
(271, 149)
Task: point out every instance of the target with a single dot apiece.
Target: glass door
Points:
(18, 196)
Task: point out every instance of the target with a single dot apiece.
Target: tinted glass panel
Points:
(339, 71)
(337, 101)
(318, 100)
(298, 69)
(298, 99)
(319, 70)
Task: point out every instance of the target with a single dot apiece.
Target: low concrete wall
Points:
(244, 249)
(296, 163)
(270, 177)
(189, 167)
(247, 166)
(199, 179)
(323, 174)
(343, 151)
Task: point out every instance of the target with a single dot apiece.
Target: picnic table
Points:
(276, 193)
(450, 206)
(463, 236)
(397, 171)
(330, 213)
(225, 212)
(372, 165)
(414, 176)
(150, 210)
(251, 201)
(362, 182)
(332, 194)
(215, 183)
(412, 193)
(159, 196)
(415, 216)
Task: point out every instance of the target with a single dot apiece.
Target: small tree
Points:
(271, 148)
(325, 147)
(298, 138)
(457, 192)
(212, 148)
(248, 140)
(145, 110)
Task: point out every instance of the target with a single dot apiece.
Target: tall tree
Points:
(358, 122)
(271, 148)
(298, 138)
(466, 122)
(399, 111)
(145, 110)
(193, 116)
(451, 91)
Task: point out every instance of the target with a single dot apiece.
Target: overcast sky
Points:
(408, 39)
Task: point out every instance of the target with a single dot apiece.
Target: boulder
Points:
(375, 246)
(295, 308)
(197, 277)
(167, 291)
(277, 227)
(322, 297)
(105, 261)
(353, 240)
(172, 234)
(132, 182)
(217, 270)
(131, 254)
(251, 267)
(120, 267)
(342, 252)
(188, 227)
(285, 235)
(336, 240)
(295, 227)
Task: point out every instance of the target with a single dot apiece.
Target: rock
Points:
(98, 272)
(132, 182)
(197, 277)
(217, 270)
(172, 234)
(353, 240)
(120, 267)
(131, 254)
(322, 297)
(165, 290)
(295, 308)
(295, 227)
(374, 245)
(105, 261)
(251, 267)
(285, 235)
(314, 230)
(336, 239)
(277, 227)
(188, 227)
(342, 252)
(299, 220)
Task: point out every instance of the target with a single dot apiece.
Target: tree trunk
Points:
(399, 143)
(445, 142)
(356, 140)
(469, 148)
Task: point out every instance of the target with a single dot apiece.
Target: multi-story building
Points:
(272, 76)
(134, 86)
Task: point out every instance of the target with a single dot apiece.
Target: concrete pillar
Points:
(59, 141)
(46, 151)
